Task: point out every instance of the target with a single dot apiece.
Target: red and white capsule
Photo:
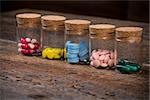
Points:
(23, 46)
(25, 51)
(23, 40)
(28, 40)
(34, 41)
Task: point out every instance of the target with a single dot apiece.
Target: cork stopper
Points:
(131, 34)
(52, 20)
(28, 19)
(104, 31)
(77, 24)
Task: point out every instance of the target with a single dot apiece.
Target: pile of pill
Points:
(54, 53)
(28, 46)
(125, 66)
(77, 52)
(102, 58)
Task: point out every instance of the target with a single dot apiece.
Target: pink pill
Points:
(100, 52)
(95, 55)
(104, 65)
(101, 57)
(106, 58)
(91, 63)
(94, 51)
(91, 58)
(95, 63)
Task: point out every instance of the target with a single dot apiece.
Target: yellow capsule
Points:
(57, 50)
(50, 54)
(57, 56)
(44, 53)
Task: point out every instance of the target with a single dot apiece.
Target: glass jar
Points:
(77, 41)
(102, 45)
(128, 45)
(28, 34)
(53, 36)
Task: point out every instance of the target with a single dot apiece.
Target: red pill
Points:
(37, 46)
(25, 46)
(23, 40)
(25, 51)
(31, 51)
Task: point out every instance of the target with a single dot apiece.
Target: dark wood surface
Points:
(33, 78)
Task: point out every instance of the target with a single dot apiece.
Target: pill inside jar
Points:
(29, 34)
(53, 30)
(102, 45)
(129, 47)
(77, 41)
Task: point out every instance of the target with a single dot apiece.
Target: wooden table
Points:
(34, 78)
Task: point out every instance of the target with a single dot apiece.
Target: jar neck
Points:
(77, 32)
(103, 36)
(130, 39)
(54, 28)
(28, 25)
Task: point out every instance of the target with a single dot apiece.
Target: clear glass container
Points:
(128, 44)
(77, 41)
(29, 34)
(102, 45)
(53, 30)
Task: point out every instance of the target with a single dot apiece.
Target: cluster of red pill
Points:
(28, 46)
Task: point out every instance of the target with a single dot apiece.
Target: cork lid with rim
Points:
(102, 30)
(28, 19)
(129, 33)
(77, 24)
(52, 20)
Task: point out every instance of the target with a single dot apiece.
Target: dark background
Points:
(124, 10)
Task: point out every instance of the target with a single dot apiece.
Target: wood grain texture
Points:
(28, 78)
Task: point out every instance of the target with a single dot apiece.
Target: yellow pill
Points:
(44, 53)
(57, 50)
(57, 57)
(50, 54)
